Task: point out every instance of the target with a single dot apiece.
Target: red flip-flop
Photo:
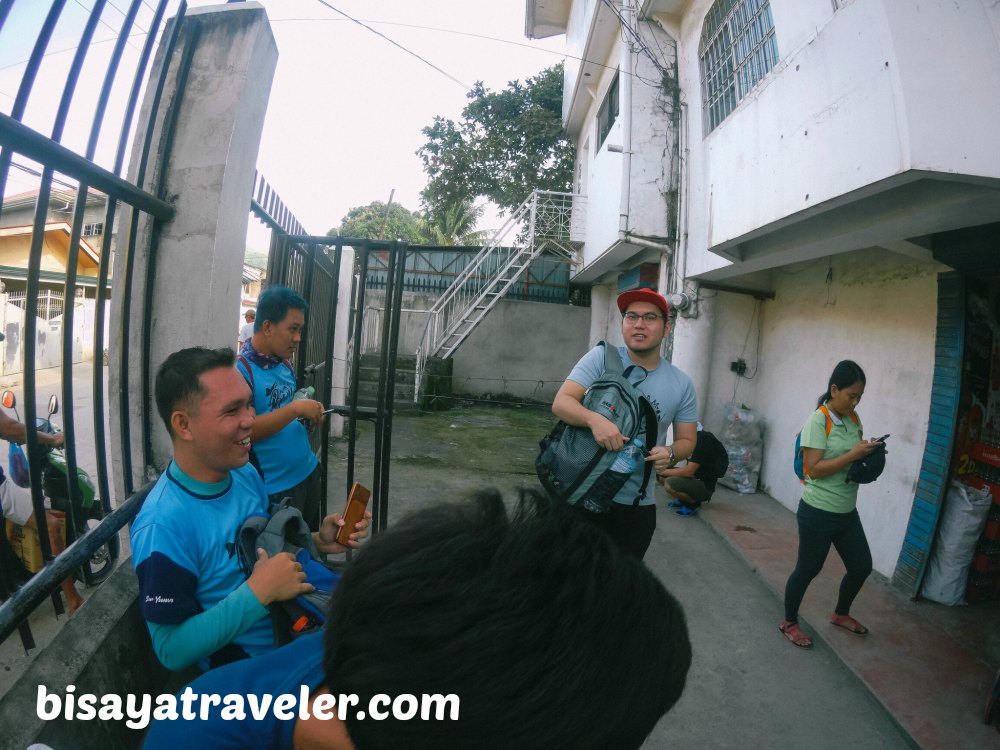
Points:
(849, 624)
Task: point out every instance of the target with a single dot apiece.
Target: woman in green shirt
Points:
(827, 513)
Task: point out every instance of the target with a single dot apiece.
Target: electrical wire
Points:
(396, 44)
(471, 35)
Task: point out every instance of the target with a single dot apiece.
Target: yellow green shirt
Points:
(831, 493)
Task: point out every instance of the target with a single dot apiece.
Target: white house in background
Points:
(813, 180)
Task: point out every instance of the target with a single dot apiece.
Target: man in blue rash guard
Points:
(197, 603)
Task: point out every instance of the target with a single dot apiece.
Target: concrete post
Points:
(206, 166)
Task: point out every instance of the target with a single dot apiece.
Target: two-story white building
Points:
(812, 180)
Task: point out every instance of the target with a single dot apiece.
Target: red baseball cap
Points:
(643, 295)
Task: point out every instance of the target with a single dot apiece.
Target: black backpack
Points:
(717, 463)
(570, 462)
(284, 530)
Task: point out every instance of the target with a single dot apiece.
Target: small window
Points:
(608, 112)
(737, 50)
(89, 230)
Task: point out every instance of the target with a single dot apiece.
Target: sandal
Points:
(849, 624)
(796, 636)
(686, 511)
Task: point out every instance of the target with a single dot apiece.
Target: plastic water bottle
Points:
(307, 392)
(603, 491)
(628, 458)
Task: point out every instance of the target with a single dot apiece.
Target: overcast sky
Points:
(346, 107)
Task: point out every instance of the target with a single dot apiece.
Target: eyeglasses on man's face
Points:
(632, 317)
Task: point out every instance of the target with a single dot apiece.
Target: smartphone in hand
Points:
(354, 511)
(881, 439)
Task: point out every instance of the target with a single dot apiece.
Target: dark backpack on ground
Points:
(284, 530)
(571, 462)
(717, 463)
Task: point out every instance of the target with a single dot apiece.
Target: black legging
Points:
(817, 530)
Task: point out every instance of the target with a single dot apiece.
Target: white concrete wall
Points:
(880, 311)
(524, 349)
(603, 181)
(872, 90)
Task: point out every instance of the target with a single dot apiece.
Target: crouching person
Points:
(498, 625)
(199, 606)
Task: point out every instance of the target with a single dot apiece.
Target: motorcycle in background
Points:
(88, 509)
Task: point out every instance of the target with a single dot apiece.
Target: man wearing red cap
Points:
(645, 323)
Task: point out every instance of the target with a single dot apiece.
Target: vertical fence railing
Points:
(19, 140)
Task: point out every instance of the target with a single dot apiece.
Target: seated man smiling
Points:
(193, 595)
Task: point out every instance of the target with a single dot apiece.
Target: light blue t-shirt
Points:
(286, 458)
(184, 554)
(667, 389)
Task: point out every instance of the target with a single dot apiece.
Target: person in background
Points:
(246, 330)
(645, 323)
(280, 440)
(827, 512)
(694, 483)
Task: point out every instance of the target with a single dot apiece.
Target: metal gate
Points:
(311, 266)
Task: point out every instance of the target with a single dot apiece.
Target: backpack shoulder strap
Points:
(829, 419)
(249, 370)
(612, 359)
(649, 416)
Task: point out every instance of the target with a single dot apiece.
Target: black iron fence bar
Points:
(5, 6)
(100, 444)
(30, 333)
(352, 399)
(389, 355)
(124, 391)
(16, 609)
(169, 130)
(382, 397)
(16, 137)
(328, 366)
(69, 294)
(24, 89)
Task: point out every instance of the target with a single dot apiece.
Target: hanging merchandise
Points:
(744, 441)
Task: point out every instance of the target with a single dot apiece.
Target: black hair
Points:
(549, 635)
(844, 375)
(179, 377)
(275, 303)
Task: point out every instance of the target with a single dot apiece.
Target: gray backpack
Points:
(571, 466)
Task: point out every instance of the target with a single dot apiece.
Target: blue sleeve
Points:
(180, 645)
(688, 409)
(588, 369)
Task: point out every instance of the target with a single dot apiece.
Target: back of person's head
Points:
(549, 635)
(275, 303)
(179, 378)
(844, 375)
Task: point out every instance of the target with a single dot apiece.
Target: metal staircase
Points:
(545, 221)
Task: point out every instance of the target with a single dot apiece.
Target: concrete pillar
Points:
(206, 168)
(694, 343)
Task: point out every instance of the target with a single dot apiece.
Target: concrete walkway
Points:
(920, 679)
(929, 665)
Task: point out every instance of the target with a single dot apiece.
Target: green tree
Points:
(370, 223)
(507, 144)
(455, 224)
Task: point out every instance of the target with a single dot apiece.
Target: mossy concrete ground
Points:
(442, 456)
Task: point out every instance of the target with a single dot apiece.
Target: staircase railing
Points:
(546, 220)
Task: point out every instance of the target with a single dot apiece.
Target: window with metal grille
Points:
(737, 50)
(608, 112)
(89, 230)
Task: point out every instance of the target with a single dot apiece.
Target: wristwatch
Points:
(673, 459)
